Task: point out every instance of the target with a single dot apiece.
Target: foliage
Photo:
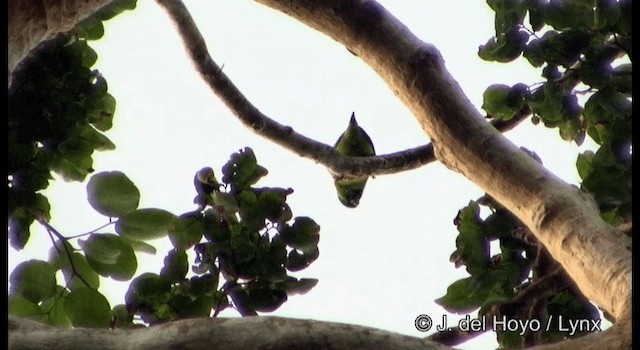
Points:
(240, 234)
(58, 111)
(580, 44)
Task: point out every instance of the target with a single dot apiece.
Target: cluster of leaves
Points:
(58, 109)
(248, 240)
(495, 280)
(579, 44)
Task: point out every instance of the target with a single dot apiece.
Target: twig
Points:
(64, 239)
(285, 136)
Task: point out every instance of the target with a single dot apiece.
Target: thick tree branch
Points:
(214, 333)
(284, 135)
(252, 333)
(564, 218)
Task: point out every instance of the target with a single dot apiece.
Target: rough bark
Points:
(563, 218)
(214, 333)
(32, 22)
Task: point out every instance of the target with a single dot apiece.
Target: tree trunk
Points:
(32, 22)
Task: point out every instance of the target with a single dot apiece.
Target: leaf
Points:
(175, 267)
(87, 307)
(110, 256)
(462, 296)
(504, 48)
(584, 163)
(472, 244)
(101, 113)
(302, 235)
(54, 307)
(79, 271)
(503, 102)
(206, 284)
(264, 298)
(185, 231)
(112, 194)
(90, 29)
(140, 246)
(297, 261)
(21, 307)
(145, 224)
(568, 14)
(19, 223)
(148, 290)
(509, 14)
(299, 286)
(242, 170)
(121, 317)
(226, 201)
(35, 280)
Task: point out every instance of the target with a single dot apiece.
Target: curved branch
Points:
(563, 218)
(285, 136)
(214, 333)
(254, 333)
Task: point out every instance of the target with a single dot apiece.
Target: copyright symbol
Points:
(423, 323)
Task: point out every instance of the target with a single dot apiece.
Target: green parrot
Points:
(353, 142)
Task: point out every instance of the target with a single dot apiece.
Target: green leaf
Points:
(504, 48)
(101, 113)
(140, 246)
(121, 317)
(96, 139)
(110, 256)
(226, 201)
(297, 261)
(185, 231)
(242, 170)
(536, 17)
(503, 102)
(145, 224)
(115, 8)
(472, 244)
(19, 223)
(584, 163)
(509, 14)
(265, 298)
(54, 307)
(90, 29)
(463, 296)
(112, 194)
(206, 284)
(87, 307)
(302, 235)
(148, 290)
(21, 307)
(35, 280)
(175, 267)
(299, 286)
(547, 103)
(79, 271)
(569, 14)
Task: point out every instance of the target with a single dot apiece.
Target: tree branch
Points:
(285, 136)
(563, 218)
(249, 333)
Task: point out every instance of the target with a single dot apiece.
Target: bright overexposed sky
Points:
(381, 264)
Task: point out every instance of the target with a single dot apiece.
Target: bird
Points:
(353, 142)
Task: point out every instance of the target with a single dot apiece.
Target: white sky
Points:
(381, 264)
